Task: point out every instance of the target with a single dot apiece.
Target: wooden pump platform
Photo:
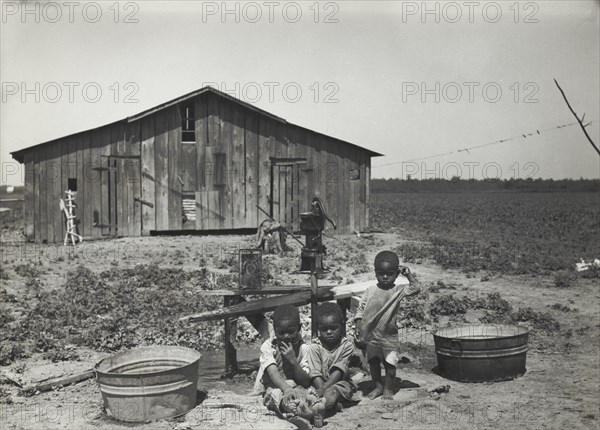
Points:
(300, 296)
(235, 305)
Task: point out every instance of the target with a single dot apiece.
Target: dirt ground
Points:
(560, 389)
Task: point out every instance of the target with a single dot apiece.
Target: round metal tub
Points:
(480, 353)
(150, 383)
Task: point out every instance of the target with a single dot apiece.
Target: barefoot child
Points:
(283, 365)
(328, 361)
(376, 320)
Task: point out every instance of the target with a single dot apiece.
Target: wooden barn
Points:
(204, 161)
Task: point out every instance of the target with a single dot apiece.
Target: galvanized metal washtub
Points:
(149, 383)
(480, 353)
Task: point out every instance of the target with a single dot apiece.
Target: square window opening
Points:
(188, 124)
(72, 184)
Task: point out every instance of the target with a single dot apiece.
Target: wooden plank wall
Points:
(228, 170)
(174, 165)
(161, 171)
(78, 157)
(28, 208)
(148, 176)
(225, 164)
(251, 169)
(82, 147)
(237, 173)
(264, 172)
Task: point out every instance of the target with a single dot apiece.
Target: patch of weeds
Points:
(562, 308)
(62, 354)
(5, 317)
(495, 318)
(124, 308)
(3, 274)
(27, 271)
(359, 263)
(335, 277)
(593, 272)
(414, 313)
(541, 321)
(564, 279)
(441, 285)
(493, 302)
(270, 272)
(5, 297)
(11, 352)
(5, 396)
(448, 305)
(33, 284)
(413, 252)
(458, 319)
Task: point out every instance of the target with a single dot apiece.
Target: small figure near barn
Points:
(328, 360)
(375, 318)
(271, 236)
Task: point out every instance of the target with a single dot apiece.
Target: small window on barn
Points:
(354, 175)
(188, 126)
(72, 184)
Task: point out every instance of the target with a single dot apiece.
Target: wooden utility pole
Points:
(580, 121)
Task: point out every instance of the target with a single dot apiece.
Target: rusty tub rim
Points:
(106, 366)
(478, 332)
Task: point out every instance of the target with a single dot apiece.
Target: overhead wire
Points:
(495, 142)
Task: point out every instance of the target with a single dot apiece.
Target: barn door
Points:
(108, 212)
(129, 206)
(287, 187)
(121, 204)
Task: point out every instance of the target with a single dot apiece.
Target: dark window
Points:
(188, 125)
(72, 184)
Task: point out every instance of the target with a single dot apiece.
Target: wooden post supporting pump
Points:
(311, 226)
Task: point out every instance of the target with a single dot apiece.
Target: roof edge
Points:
(19, 155)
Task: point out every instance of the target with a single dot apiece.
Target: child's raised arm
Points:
(414, 286)
(300, 375)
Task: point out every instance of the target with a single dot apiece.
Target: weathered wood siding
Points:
(132, 177)
(84, 157)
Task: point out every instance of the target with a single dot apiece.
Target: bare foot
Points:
(388, 394)
(378, 391)
(318, 410)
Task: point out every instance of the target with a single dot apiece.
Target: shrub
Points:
(448, 305)
(27, 271)
(564, 279)
(542, 321)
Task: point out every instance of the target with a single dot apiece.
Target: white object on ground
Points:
(580, 267)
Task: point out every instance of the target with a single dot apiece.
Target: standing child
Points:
(284, 365)
(328, 361)
(376, 320)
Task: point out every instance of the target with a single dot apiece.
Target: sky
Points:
(418, 82)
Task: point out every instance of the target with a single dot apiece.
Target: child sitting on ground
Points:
(284, 368)
(375, 318)
(328, 360)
